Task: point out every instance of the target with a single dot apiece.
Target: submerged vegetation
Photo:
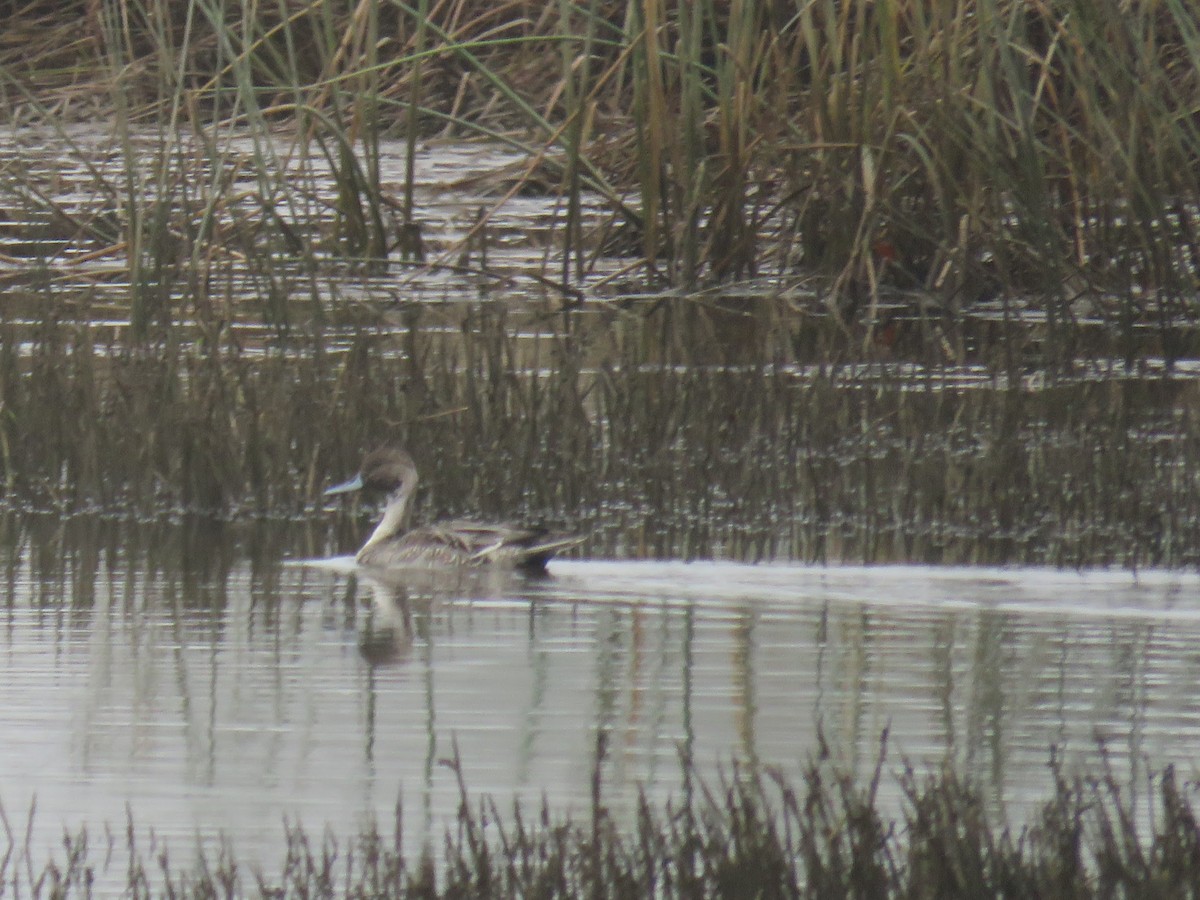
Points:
(755, 835)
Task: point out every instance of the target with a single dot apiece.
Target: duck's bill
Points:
(354, 484)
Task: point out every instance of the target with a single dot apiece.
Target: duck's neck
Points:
(393, 521)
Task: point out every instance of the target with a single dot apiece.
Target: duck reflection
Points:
(402, 605)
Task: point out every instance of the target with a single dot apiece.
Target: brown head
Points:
(388, 469)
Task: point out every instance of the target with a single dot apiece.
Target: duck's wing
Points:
(525, 547)
(463, 542)
(482, 534)
(533, 557)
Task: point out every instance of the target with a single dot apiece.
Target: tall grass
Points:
(960, 148)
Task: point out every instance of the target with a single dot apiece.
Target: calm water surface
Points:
(229, 696)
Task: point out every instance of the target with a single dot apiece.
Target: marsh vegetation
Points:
(753, 835)
(802, 280)
(833, 152)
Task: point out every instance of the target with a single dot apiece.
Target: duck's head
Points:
(388, 469)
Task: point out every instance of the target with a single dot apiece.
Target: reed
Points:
(410, 229)
(756, 833)
(960, 148)
(865, 173)
(576, 83)
(614, 428)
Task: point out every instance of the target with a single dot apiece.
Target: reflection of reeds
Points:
(953, 147)
(753, 835)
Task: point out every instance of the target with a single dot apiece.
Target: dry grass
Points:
(958, 148)
(755, 835)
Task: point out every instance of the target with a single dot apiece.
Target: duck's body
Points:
(450, 544)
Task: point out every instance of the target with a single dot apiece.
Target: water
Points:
(227, 694)
(183, 639)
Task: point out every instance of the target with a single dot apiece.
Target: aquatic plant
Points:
(756, 834)
(861, 149)
(277, 323)
(614, 430)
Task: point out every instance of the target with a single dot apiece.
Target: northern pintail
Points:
(459, 542)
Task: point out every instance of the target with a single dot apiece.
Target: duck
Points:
(456, 543)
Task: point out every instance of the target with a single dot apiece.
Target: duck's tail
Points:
(534, 556)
